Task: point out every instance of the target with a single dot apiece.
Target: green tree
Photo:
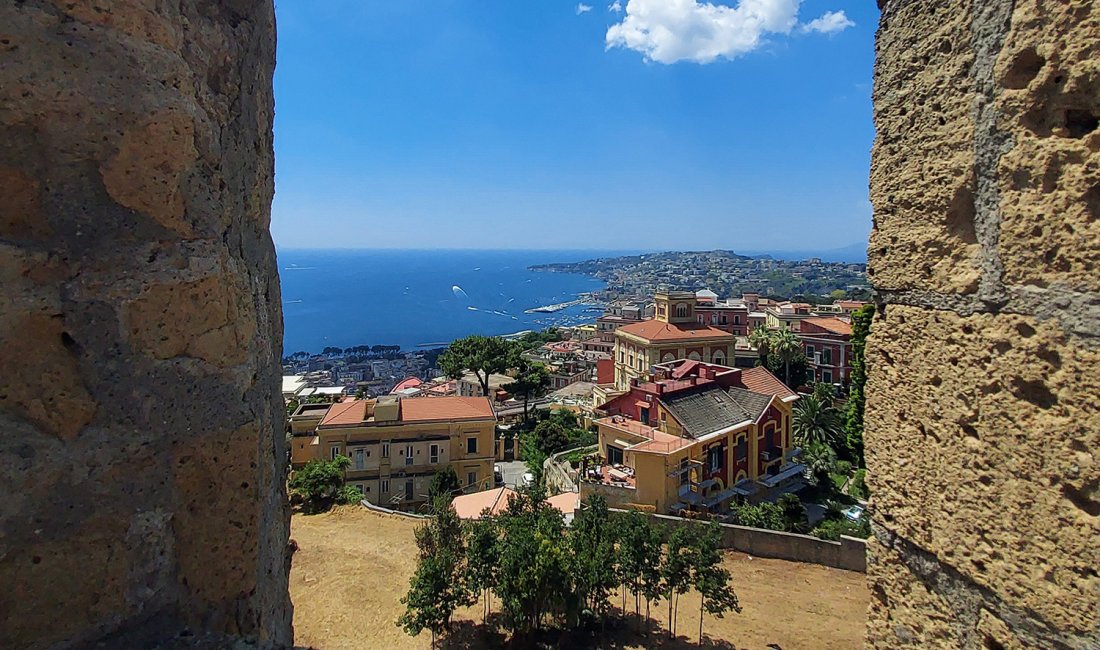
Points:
(438, 585)
(762, 515)
(794, 513)
(483, 559)
(787, 347)
(550, 437)
(815, 422)
(319, 482)
(820, 459)
(761, 339)
(482, 355)
(534, 575)
(592, 540)
(838, 294)
(825, 393)
(444, 484)
(853, 425)
(532, 379)
(676, 570)
(710, 579)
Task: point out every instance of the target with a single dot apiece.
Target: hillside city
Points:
(741, 411)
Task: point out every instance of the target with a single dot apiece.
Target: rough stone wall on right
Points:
(983, 394)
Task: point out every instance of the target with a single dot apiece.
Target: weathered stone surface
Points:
(141, 445)
(1050, 180)
(982, 419)
(985, 444)
(923, 158)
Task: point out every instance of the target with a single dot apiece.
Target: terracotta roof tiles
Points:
(656, 330)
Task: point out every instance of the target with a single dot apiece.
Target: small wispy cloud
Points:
(583, 8)
(829, 22)
(615, 7)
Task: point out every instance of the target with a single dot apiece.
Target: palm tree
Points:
(787, 347)
(819, 460)
(815, 422)
(761, 338)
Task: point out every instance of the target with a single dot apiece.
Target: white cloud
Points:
(830, 22)
(615, 7)
(668, 31)
(583, 8)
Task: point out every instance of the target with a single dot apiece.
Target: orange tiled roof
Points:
(446, 408)
(834, 325)
(408, 382)
(470, 506)
(759, 380)
(655, 330)
(850, 303)
(352, 412)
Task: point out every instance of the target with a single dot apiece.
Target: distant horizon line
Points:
(563, 248)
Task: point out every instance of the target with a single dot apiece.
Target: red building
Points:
(827, 343)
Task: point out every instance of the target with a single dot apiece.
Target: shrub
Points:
(349, 494)
(319, 482)
(761, 515)
(857, 488)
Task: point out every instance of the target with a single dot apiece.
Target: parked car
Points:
(853, 513)
(498, 475)
(528, 479)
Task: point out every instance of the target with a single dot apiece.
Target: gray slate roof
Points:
(705, 409)
(753, 403)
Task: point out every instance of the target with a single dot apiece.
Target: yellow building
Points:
(397, 445)
(674, 333)
(697, 439)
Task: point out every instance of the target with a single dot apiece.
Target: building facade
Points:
(826, 342)
(673, 333)
(397, 445)
(697, 437)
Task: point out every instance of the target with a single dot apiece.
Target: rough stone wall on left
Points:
(141, 448)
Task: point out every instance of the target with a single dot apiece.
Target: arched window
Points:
(694, 356)
(668, 357)
(681, 310)
(719, 358)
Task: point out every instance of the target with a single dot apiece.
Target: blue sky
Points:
(653, 124)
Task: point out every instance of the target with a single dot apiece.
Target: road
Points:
(513, 472)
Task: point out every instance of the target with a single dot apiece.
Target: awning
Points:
(642, 404)
(792, 470)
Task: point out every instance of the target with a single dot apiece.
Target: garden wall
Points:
(849, 553)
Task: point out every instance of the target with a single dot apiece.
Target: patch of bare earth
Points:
(353, 566)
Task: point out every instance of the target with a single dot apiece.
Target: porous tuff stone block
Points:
(141, 445)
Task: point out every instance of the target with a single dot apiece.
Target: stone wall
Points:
(141, 451)
(849, 553)
(982, 419)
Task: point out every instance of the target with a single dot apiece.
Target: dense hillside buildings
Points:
(397, 445)
(695, 437)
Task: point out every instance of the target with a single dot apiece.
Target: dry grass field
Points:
(353, 566)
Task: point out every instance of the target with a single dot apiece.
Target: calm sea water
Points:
(416, 297)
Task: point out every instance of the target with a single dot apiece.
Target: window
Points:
(681, 310)
(386, 452)
(359, 458)
(827, 376)
(736, 320)
(742, 448)
(714, 458)
(810, 351)
(661, 310)
(622, 356)
(645, 416)
(433, 454)
(471, 478)
(334, 451)
(827, 356)
(385, 487)
(408, 489)
(471, 445)
(685, 473)
(614, 455)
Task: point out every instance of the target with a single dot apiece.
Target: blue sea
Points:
(416, 298)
